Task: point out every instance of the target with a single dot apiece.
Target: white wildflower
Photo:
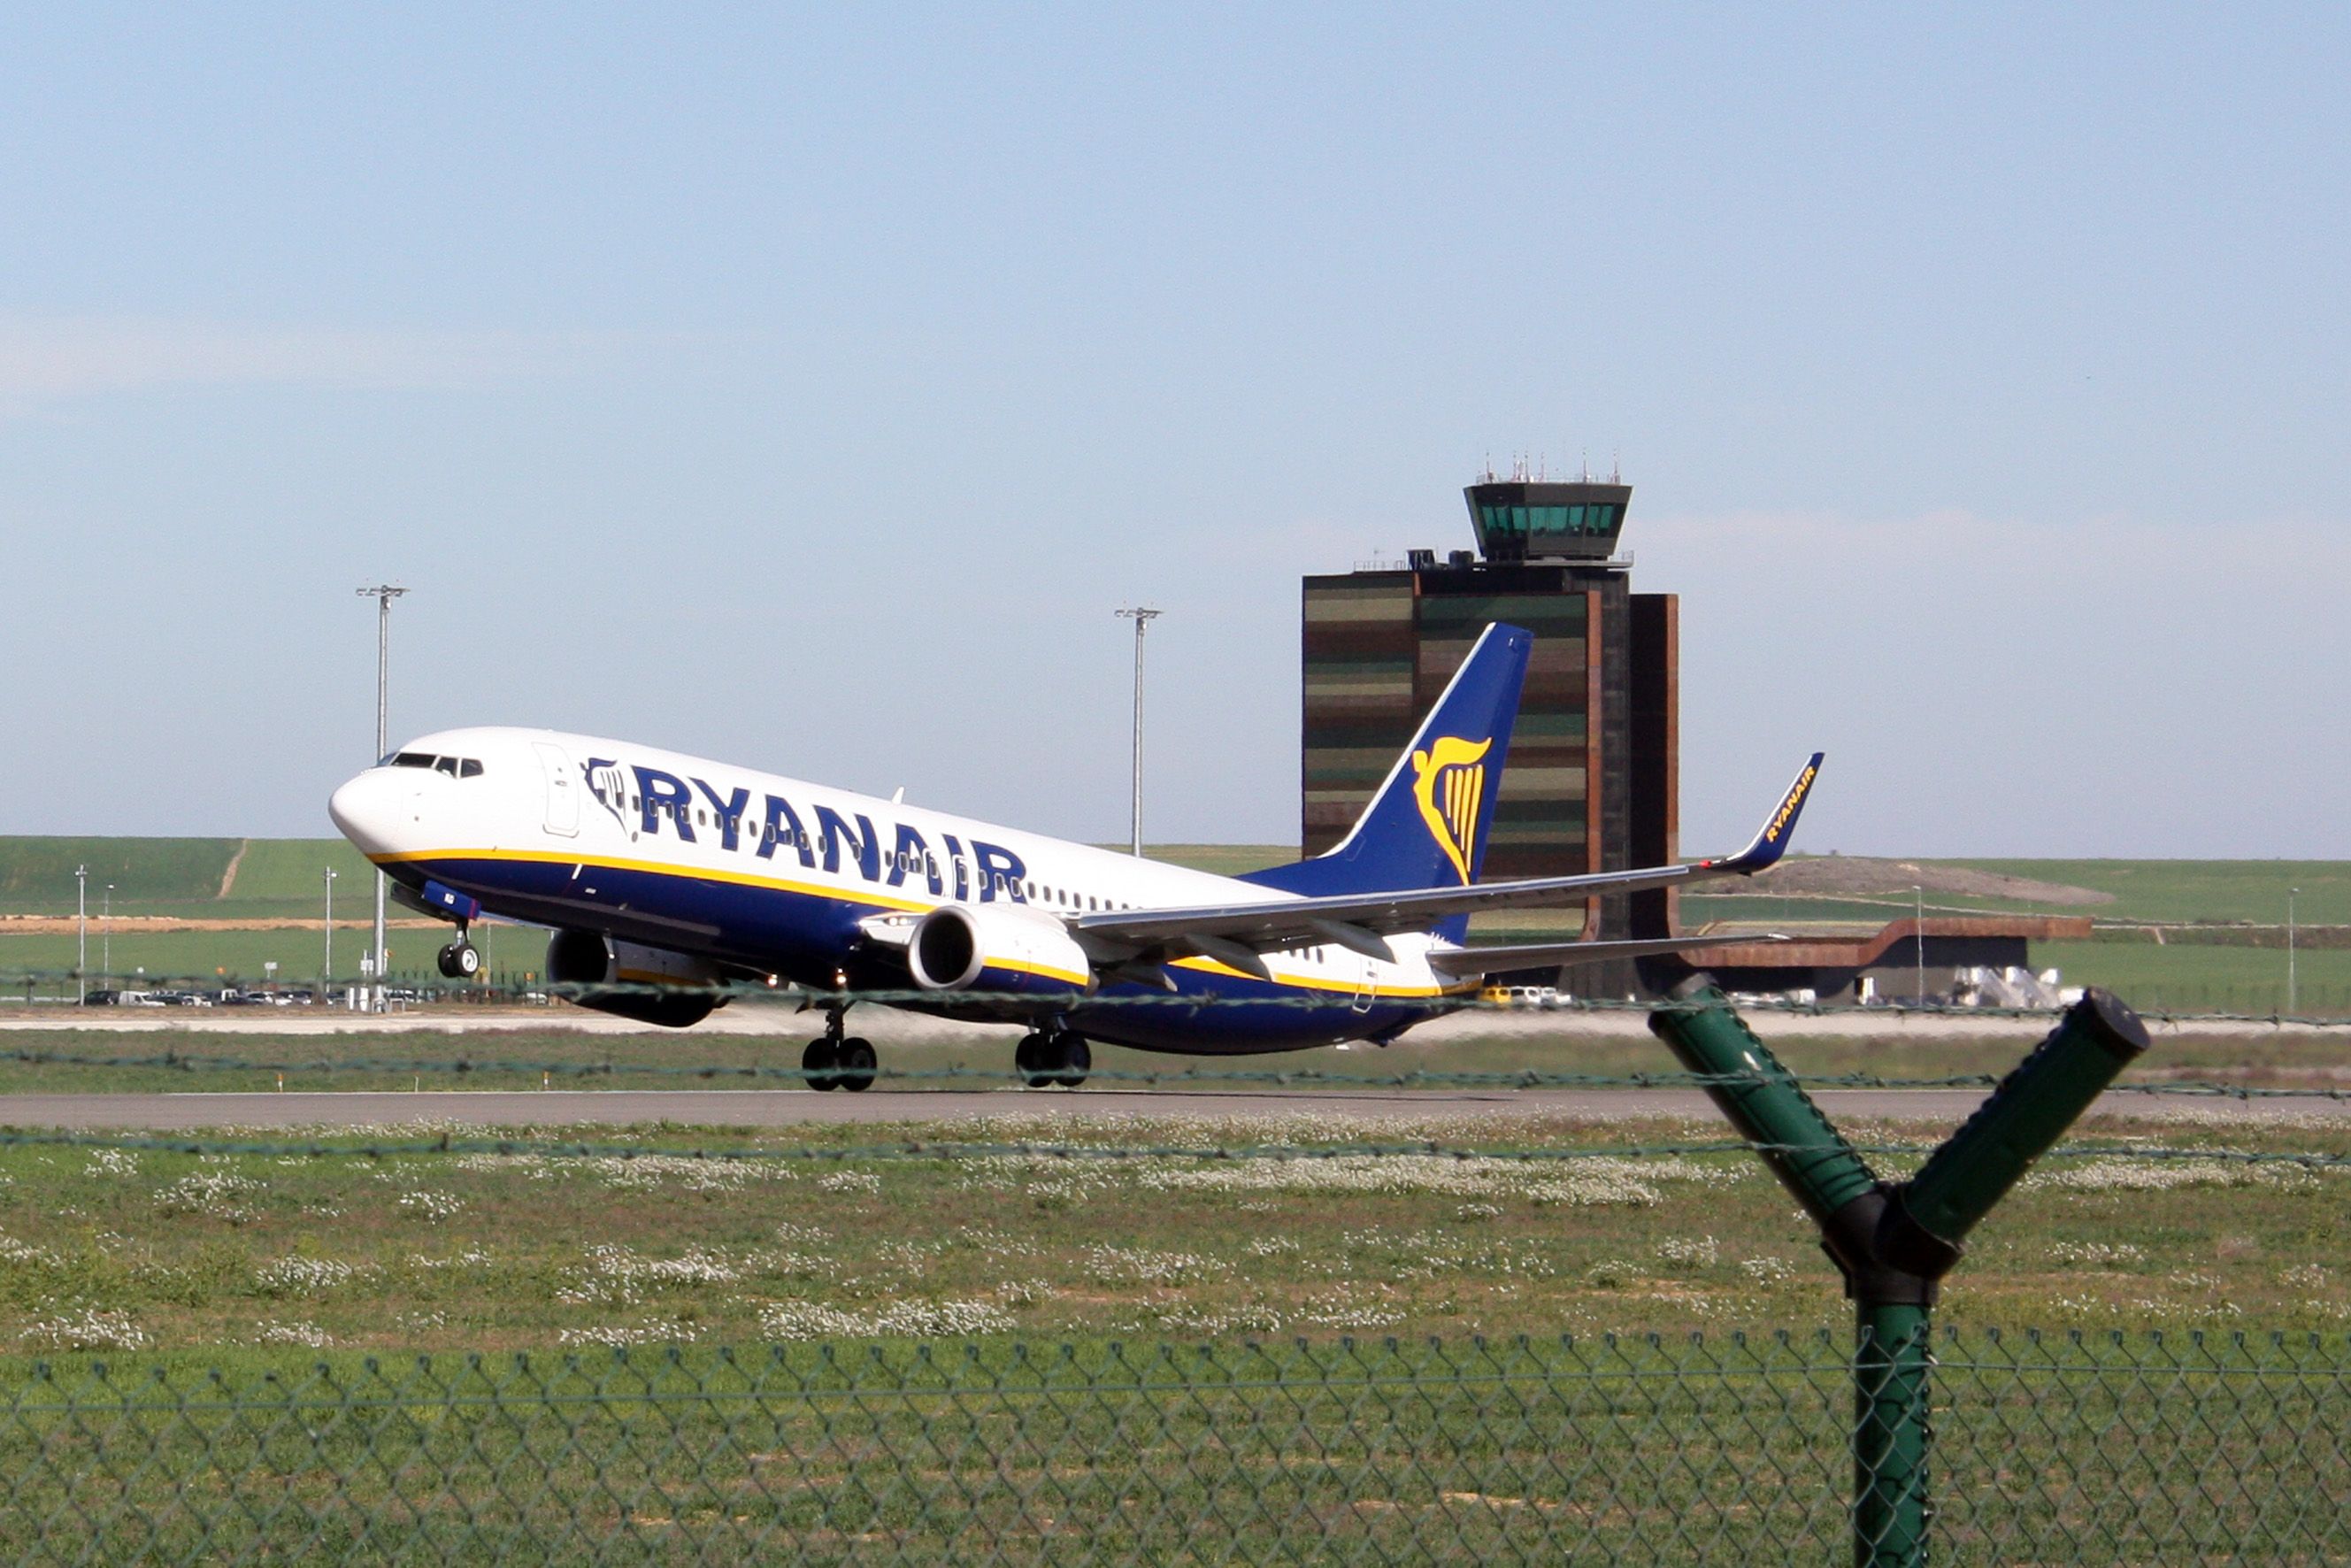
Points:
(616, 1336)
(2096, 1254)
(82, 1327)
(431, 1206)
(301, 1276)
(922, 1320)
(1700, 1252)
(297, 1332)
(1145, 1266)
(213, 1193)
(25, 1254)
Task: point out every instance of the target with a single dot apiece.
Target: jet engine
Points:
(995, 947)
(672, 989)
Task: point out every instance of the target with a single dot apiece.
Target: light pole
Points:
(384, 594)
(1142, 619)
(2291, 894)
(326, 975)
(81, 921)
(106, 931)
(1918, 940)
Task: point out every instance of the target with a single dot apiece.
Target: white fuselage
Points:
(775, 874)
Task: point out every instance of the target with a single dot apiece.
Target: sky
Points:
(806, 388)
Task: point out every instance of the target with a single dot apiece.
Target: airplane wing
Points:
(1359, 921)
(1469, 963)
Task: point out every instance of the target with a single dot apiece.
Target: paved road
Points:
(783, 1108)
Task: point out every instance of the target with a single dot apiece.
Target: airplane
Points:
(667, 880)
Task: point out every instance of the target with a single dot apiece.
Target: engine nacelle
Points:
(589, 959)
(995, 947)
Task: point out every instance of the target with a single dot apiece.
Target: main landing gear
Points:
(461, 960)
(1046, 1058)
(834, 1061)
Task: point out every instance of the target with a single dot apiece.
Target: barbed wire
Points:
(1282, 1078)
(449, 1142)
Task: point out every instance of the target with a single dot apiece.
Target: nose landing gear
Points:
(460, 960)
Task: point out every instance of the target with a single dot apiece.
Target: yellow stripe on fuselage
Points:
(887, 902)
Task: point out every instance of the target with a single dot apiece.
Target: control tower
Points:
(1591, 780)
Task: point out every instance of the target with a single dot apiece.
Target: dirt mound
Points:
(1863, 876)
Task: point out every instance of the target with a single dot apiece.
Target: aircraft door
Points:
(562, 790)
(1362, 1003)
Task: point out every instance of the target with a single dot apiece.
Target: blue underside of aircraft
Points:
(803, 936)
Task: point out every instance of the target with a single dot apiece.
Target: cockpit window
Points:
(455, 766)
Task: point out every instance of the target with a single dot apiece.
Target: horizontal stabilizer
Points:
(1469, 963)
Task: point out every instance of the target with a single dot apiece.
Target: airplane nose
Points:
(371, 808)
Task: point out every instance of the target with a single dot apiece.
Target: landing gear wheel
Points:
(1043, 1061)
(854, 1064)
(1032, 1059)
(461, 960)
(818, 1061)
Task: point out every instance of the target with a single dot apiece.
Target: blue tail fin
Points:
(1427, 826)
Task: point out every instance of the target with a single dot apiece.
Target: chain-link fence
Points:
(2125, 1450)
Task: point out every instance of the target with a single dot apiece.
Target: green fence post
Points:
(1891, 1438)
(1895, 1243)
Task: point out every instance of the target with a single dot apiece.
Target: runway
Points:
(796, 1107)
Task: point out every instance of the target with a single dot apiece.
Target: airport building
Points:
(1592, 777)
(1593, 781)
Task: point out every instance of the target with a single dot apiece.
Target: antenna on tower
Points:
(1617, 467)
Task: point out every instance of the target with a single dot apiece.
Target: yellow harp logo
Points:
(1448, 781)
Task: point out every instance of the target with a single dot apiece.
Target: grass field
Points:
(281, 878)
(2186, 978)
(1633, 1450)
(492, 1251)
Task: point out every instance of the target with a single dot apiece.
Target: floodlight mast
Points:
(1141, 618)
(384, 594)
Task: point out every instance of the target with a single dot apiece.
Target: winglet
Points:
(1779, 827)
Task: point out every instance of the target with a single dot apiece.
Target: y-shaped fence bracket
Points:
(1895, 1241)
